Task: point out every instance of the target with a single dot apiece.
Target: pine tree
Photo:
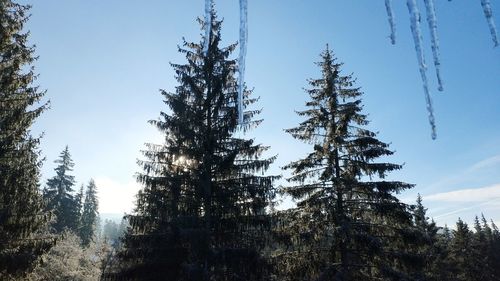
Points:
(355, 222)
(432, 247)
(461, 249)
(79, 201)
(90, 215)
(59, 194)
(22, 216)
(495, 250)
(202, 212)
(479, 254)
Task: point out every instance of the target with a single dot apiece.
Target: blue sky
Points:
(103, 62)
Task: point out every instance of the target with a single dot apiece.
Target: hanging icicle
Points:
(417, 38)
(208, 23)
(392, 23)
(241, 60)
(489, 17)
(432, 21)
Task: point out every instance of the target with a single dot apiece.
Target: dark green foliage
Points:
(432, 246)
(348, 215)
(461, 252)
(59, 195)
(22, 216)
(484, 253)
(475, 254)
(494, 250)
(79, 204)
(90, 215)
(202, 212)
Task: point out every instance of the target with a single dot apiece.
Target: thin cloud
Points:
(469, 207)
(466, 175)
(482, 194)
(489, 162)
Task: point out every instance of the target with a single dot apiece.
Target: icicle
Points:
(489, 17)
(432, 21)
(208, 22)
(417, 38)
(241, 60)
(390, 16)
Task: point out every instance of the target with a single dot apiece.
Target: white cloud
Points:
(485, 168)
(115, 196)
(465, 203)
(483, 194)
(488, 162)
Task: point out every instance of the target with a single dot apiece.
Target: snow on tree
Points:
(67, 260)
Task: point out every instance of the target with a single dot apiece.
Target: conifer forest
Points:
(214, 200)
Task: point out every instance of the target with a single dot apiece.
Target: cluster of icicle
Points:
(418, 41)
(242, 43)
(417, 38)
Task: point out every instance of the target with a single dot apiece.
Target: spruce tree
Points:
(22, 216)
(79, 200)
(431, 246)
(90, 215)
(461, 250)
(495, 250)
(480, 247)
(202, 212)
(354, 223)
(59, 194)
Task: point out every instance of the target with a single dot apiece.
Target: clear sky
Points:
(103, 62)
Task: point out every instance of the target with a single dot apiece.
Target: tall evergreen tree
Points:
(480, 248)
(355, 221)
(494, 250)
(79, 200)
(59, 194)
(461, 250)
(202, 211)
(432, 247)
(22, 216)
(90, 215)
